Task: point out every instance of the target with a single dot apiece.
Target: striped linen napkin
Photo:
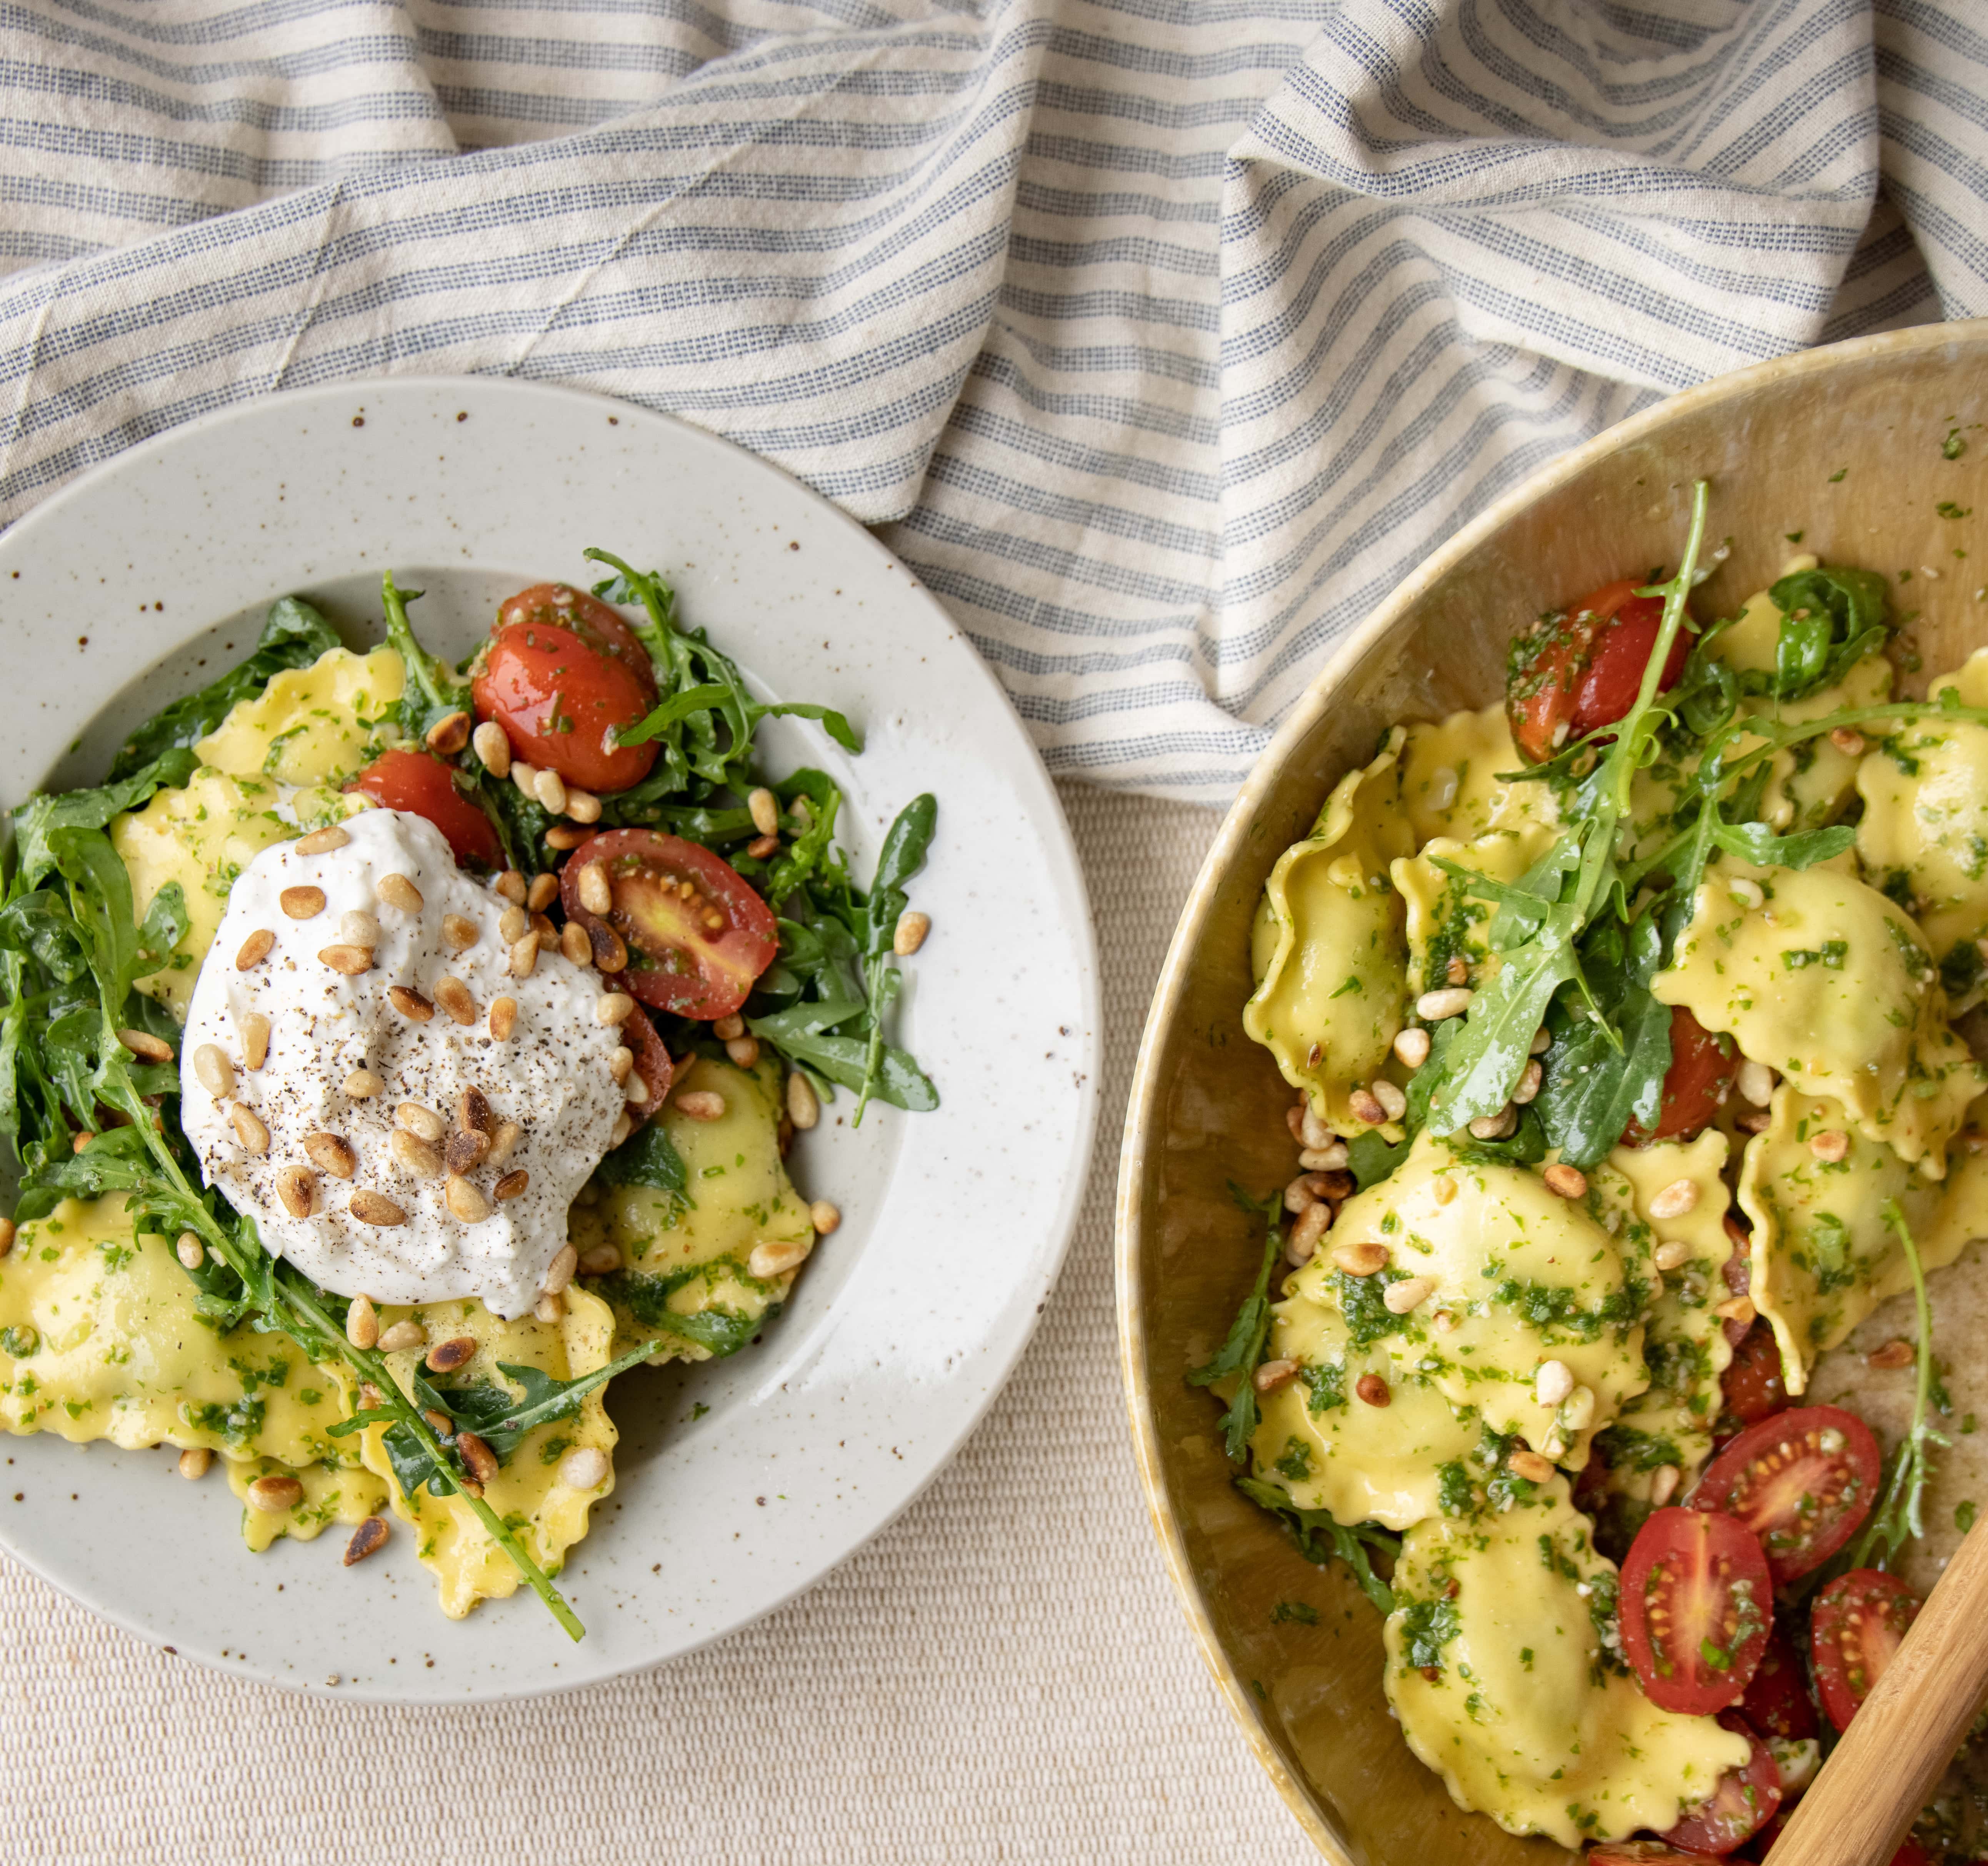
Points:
(1163, 336)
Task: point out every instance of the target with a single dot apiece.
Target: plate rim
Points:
(1141, 1136)
(1065, 871)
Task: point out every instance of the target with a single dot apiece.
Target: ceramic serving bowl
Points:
(1847, 447)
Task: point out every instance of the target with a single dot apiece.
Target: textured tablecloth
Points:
(1002, 1676)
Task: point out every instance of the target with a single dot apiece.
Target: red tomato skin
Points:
(1621, 650)
(1755, 1386)
(1778, 1703)
(1859, 1621)
(1703, 1562)
(721, 963)
(534, 676)
(1757, 1497)
(653, 1063)
(423, 786)
(598, 625)
(1745, 1799)
(1700, 1078)
(1912, 1854)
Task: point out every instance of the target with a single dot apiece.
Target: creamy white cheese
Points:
(551, 1075)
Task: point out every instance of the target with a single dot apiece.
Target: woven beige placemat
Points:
(1002, 1676)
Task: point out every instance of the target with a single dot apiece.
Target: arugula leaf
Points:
(806, 1032)
(648, 1157)
(1603, 1073)
(43, 815)
(1831, 618)
(1756, 842)
(1239, 1354)
(902, 856)
(1321, 1538)
(431, 691)
(719, 1331)
(294, 635)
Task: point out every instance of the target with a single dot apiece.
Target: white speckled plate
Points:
(744, 1481)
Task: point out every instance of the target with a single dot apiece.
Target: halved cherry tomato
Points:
(560, 671)
(1801, 1481)
(697, 934)
(1696, 1607)
(652, 1062)
(1912, 1854)
(1755, 1386)
(424, 786)
(1582, 669)
(1696, 1085)
(1745, 1799)
(1642, 1853)
(1859, 1622)
(1778, 1703)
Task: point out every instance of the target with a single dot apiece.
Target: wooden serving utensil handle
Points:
(1878, 1776)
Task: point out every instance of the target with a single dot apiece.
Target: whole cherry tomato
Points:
(561, 672)
(697, 934)
(424, 786)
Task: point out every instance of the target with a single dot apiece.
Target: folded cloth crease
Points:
(1162, 337)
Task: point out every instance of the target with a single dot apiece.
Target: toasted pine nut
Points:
(254, 1030)
(602, 1260)
(454, 997)
(448, 734)
(595, 895)
(1577, 1412)
(636, 1091)
(525, 776)
(613, 1008)
(216, 1074)
(559, 1272)
(1830, 1146)
(766, 808)
(511, 885)
(1366, 1107)
(357, 928)
(368, 1539)
(1405, 1296)
(418, 1118)
(410, 1004)
(481, 1461)
(524, 956)
(1451, 1001)
(1495, 1127)
(255, 949)
(725, 1029)
(473, 1112)
(362, 1322)
(768, 1261)
(249, 1128)
(1737, 1309)
(362, 1085)
(460, 932)
(1371, 1390)
(1674, 1200)
(567, 835)
(543, 892)
(274, 1495)
(824, 1217)
(466, 1201)
(513, 1184)
(332, 1154)
(414, 1156)
(504, 1137)
(1324, 1159)
(301, 903)
(1745, 890)
(503, 1018)
(550, 788)
(582, 805)
(446, 1356)
(1568, 1182)
(624, 1125)
(744, 1051)
(400, 894)
(1531, 1078)
(761, 846)
(322, 842)
(493, 748)
(512, 924)
(1531, 1466)
(1553, 1380)
(584, 1469)
(1412, 1046)
(1312, 1225)
(609, 949)
(574, 943)
(1394, 1103)
(1894, 1354)
(1671, 1255)
(1361, 1259)
(700, 1104)
(1755, 1081)
(349, 959)
(375, 1208)
(190, 1251)
(194, 1462)
(7, 1234)
(910, 933)
(1542, 1041)
(548, 1309)
(803, 1107)
(1273, 1374)
(619, 1062)
(1847, 740)
(464, 1153)
(402, 1335)
(148, 1048)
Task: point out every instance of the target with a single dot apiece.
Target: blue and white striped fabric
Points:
(1163, 336)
